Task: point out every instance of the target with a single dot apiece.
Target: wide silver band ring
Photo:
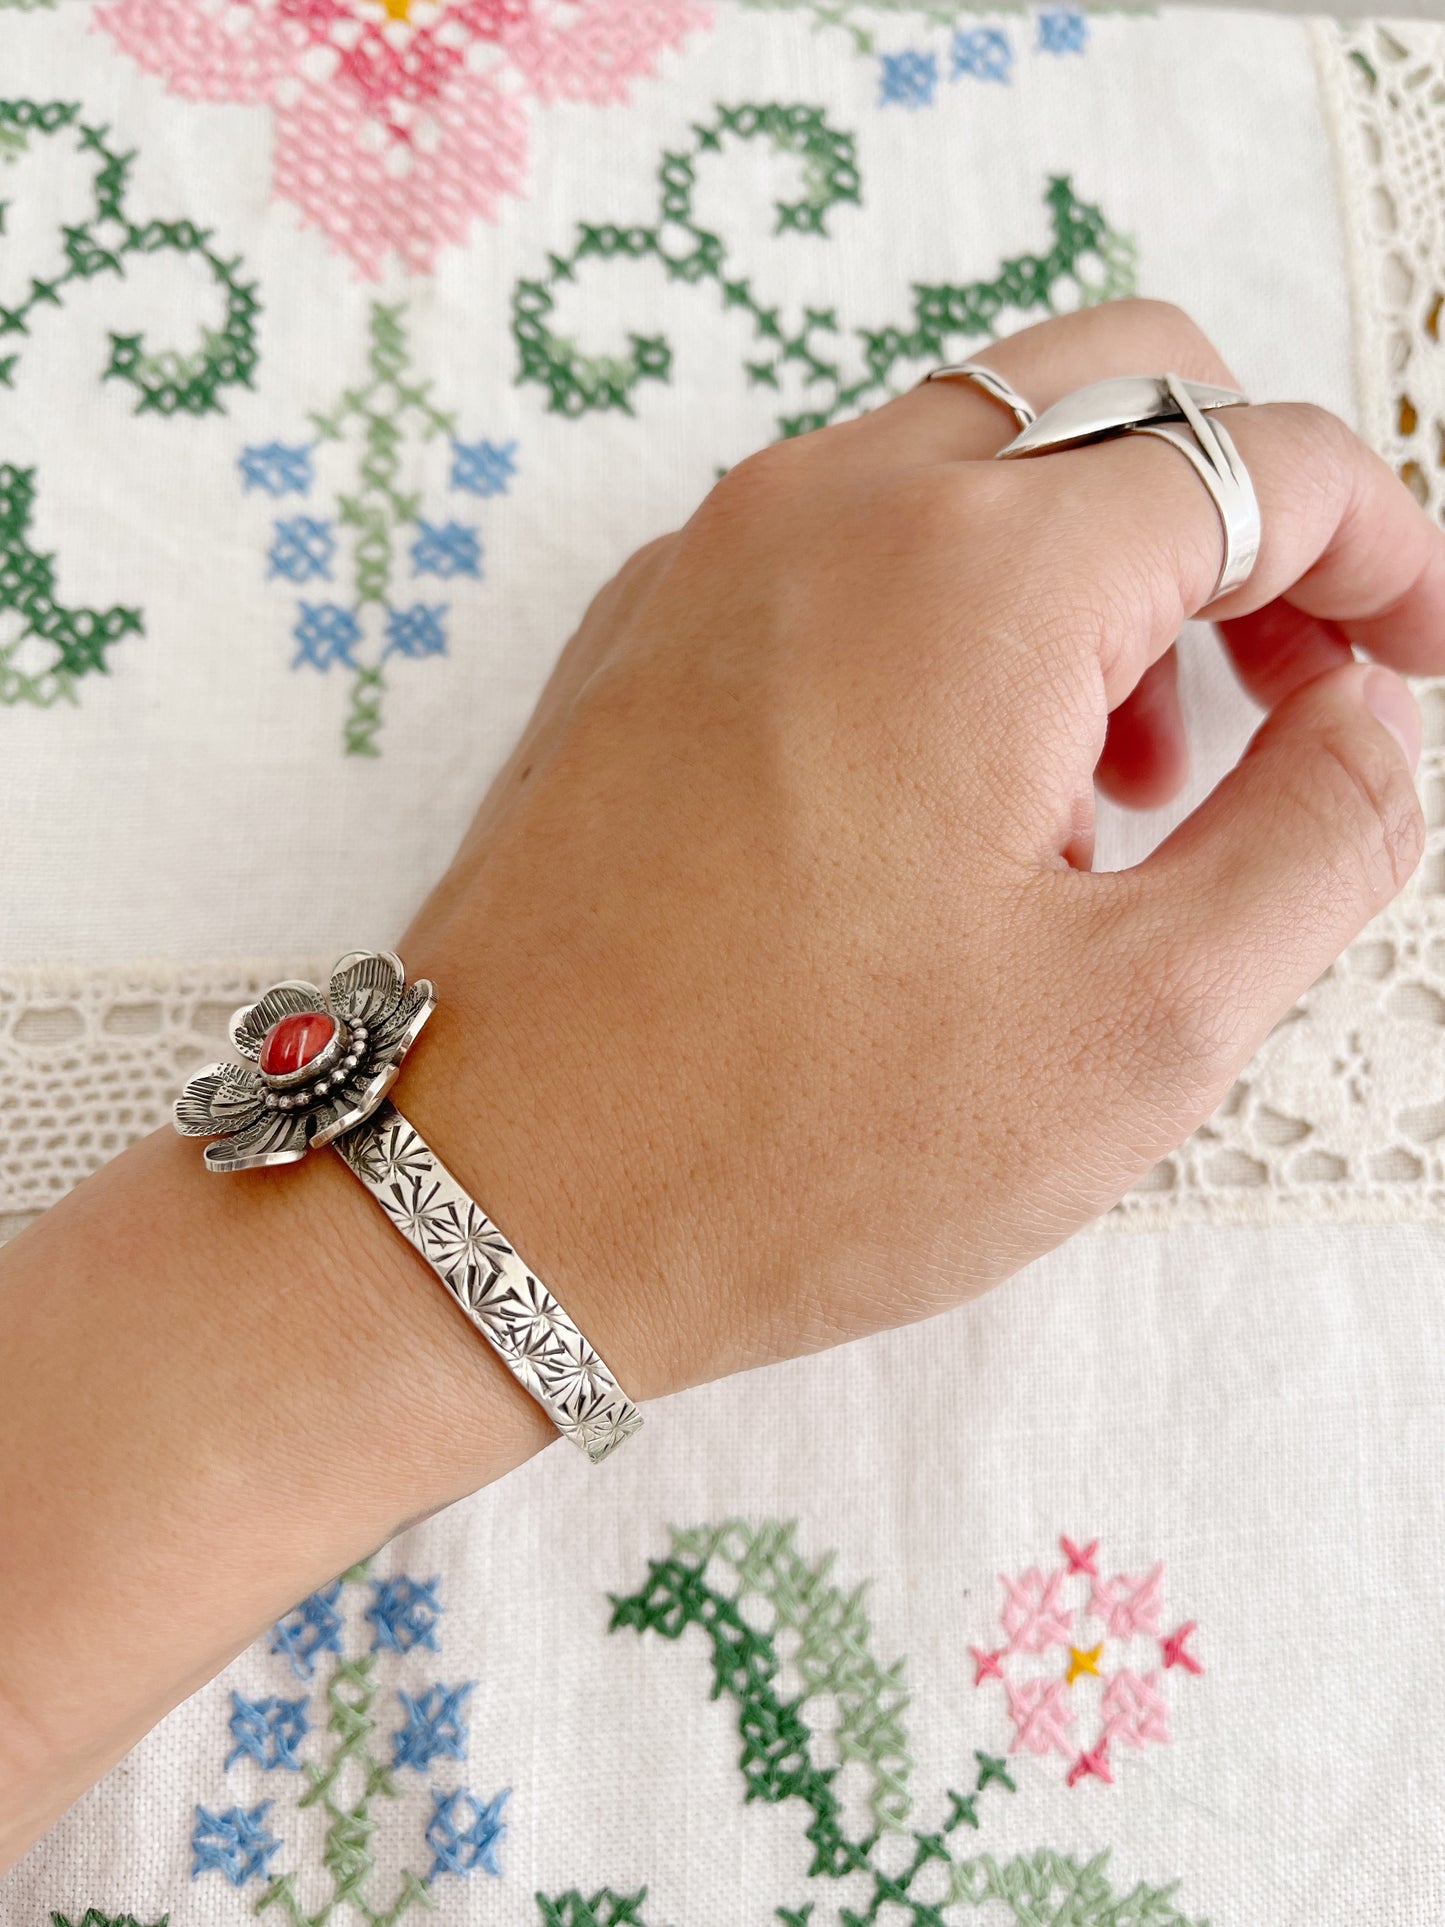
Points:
(319, 1066)
(1181, 413)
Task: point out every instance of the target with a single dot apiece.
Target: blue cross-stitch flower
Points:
(446, 549)
(434, 1726)
(1062, 30)
(463, 1834)
(483, 468)
(417, 631)
(404, 1613)
(985, 52)
(268, 1730)
(908, 78)
(301, 549)
(308, 1629)
(234, 1843)
(280, 468)
(325, 633)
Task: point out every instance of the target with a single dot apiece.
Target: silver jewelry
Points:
(1175, 411)
(320, 1066)
(992, 384)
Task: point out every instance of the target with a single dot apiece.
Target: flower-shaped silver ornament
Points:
(319, 1063)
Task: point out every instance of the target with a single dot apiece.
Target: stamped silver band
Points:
(504, 1299)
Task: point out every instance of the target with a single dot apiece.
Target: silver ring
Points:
(320, 1066)
(992, 384)
(1175, 411)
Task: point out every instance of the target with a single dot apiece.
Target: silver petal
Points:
(1108, 407)
(251, 1022)
(395, 1037)
(366, 986)
(353, 1107)
(222, 1098)
(275, 1138)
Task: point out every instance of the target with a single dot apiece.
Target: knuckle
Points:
(1148, 311)
(1365, 803)
(1175, 1002)
(1324, 449)
(1190, 1013)
(757, 478)
(1168, 335)
(932, 509)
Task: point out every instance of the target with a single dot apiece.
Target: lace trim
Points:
(1342, 1113)
(92, 1060)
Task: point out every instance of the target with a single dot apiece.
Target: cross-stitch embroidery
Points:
(1083, 1661)
(864, 20)
(345, 1768)
(373, 536)
(816, 1654)
(45, 645)
(823, 371)
(395, 128)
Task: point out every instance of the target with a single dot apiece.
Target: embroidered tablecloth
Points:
(345, 346)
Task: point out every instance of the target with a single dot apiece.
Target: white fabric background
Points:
(1261, 1409)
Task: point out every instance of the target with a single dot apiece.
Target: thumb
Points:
(1260, 889)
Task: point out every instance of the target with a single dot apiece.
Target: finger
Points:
(943, 421)
(1344, 541)
(1260, 889)
(1145, 760)
(1278, 648)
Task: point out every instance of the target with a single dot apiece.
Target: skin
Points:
(779, 1002)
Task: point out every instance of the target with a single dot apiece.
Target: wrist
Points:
(482, 1088)
(219, 1392)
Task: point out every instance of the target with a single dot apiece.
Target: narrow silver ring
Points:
(992, 384)
(1181, 413)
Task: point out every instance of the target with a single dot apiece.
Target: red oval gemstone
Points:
(292, 1042)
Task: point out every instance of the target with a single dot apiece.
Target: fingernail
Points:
(1388, 699)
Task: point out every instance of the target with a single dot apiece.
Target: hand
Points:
(779, 1001)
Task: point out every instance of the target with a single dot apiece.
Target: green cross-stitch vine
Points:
(834, 372)
(604, 1909)
(45, 647)
(382, 410)
(93, 1917)
(74, 641)
(832, 1653)
(705, 1582)
(344, 1788)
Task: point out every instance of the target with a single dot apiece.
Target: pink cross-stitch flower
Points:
(1129, 1605)
(1134, 1709)
(1047, 1694)
(1040, 1711)
(398, 122)
(1034, 1616)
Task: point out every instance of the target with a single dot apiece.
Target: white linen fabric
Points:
(275, 595)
